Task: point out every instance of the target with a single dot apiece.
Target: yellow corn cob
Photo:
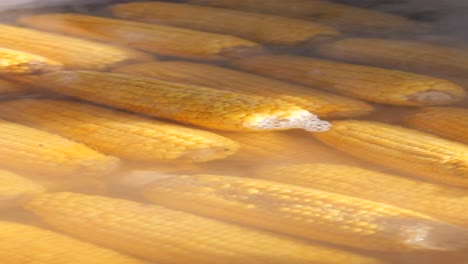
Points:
(344, 17)
(160, 39)
(20, 244)
(195, 105)
(9, 88)
(443, 202)
(447, 122)
(72, 52)
(117, 133)
(28, 149)
(399, 54)
(167, 236)
(14, 187)
(20, 62)
(325, 105)
(281, 146)
(77, 184)
(363, 82)
(402, 149)
(267, 148)
(266, 29)
(266, 145)
(304, 212)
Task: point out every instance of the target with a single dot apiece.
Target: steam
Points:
(448, 17)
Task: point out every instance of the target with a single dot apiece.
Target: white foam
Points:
(432, 97)
(302, 120)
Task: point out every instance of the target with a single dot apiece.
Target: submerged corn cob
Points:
(344, 17)
(266, 29)
(160, 39)
(284, 147)
(167, 236)
(118, 133)
(399, 54)
(14, 187)
(363, 82)
(20, 244)
(447, 122)
(443, 202)
(20, 62)
(8, 88)
(305, 212)
(325, 105)
(73, 53)
(264, 145)
(402, 149)
(28, 149)
(189, 104)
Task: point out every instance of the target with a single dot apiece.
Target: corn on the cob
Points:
(28, 149)
(20, 244)
(73, 53)
(10, 88)
(443, 202)
(325, 105)
(363, 82)
(399, 54)
(164, 40)
(303, 212)
(190, 104)
(77, 184)
(117, 133)
(447, 122)
(167, 236)
(268, 28)
(20, 62)
(401, 149)
(267, 149)
(14, 187)
(344, 17)
(282, 147)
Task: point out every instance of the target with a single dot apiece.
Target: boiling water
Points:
(301, 147)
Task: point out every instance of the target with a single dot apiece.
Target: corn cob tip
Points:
(39, 67)
(433, 97)
(434, 236)
(302, 120)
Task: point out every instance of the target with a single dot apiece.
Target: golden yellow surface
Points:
(8, 88)
(29, 149)
(323, 104)
(20, 244)
(257, 27)
(72, 52)
(14, 187)
(402, 149)
(284, 209)
(439, 201)
(196, 105)
(303, 212)
(344, 17)
(19, 62)
(160, 39)
(447, 122)
(118, 133)
(415, 56)
(367, 83)
(167, 236)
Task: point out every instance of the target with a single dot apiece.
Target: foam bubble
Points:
(301, 120)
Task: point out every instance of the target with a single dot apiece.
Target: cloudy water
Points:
(218, 131)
